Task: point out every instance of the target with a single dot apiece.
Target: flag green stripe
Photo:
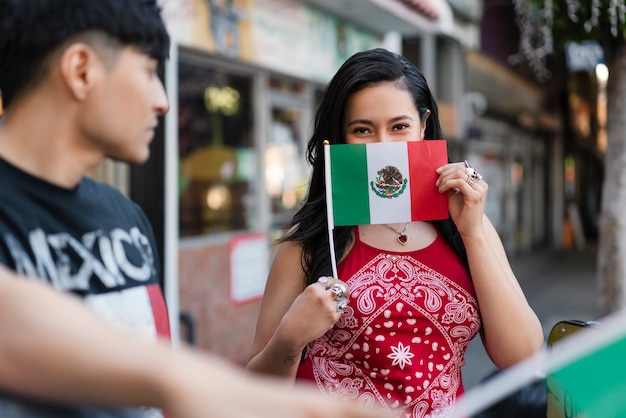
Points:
(349, 178)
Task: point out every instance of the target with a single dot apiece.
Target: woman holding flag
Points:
(389, 324)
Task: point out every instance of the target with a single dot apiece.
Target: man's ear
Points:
(79, 65)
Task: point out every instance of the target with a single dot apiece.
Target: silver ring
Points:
(472, 174)
(339, 291)
(341, 304)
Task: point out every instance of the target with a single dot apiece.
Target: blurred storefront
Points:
(544, 119)
(515, 141)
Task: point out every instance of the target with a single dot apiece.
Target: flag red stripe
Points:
(424, 158)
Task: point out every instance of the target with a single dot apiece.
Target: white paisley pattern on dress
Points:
(401, 340)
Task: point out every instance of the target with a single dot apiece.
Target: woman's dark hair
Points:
(309, 224)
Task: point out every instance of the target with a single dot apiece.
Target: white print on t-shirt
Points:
(130, 309)
(69, 264)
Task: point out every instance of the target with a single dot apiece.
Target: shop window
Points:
(280, 85)
(217, 173)
(286, 172)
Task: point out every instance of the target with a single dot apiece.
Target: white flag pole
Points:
(329, 208)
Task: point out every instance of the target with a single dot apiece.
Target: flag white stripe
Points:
(386, 210)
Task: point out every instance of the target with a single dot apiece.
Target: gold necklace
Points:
(402, 237)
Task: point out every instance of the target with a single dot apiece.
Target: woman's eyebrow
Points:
(401, 117)
(369, 122)
(360, 122)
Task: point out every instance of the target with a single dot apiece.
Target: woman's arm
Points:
(292, 315)
(511, 330)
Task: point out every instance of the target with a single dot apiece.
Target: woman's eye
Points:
(360, 130)
(400, 127)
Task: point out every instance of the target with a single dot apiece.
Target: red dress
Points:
(400, 342)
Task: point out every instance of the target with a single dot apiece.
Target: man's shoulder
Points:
(107, 194)
(89, 185)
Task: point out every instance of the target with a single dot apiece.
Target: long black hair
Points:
(309, 225)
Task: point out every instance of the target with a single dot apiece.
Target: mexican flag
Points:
(385, 182)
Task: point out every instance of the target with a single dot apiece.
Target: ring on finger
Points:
(324, 281)
(341, 304)
(472, 173)
(339, 291)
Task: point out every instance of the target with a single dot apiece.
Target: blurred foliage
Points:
(575, 20)
(546, 25)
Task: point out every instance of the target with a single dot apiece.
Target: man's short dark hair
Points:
(31, 30)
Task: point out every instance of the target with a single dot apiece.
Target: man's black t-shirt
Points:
(89, 241)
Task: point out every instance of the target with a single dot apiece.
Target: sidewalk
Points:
(559, 285)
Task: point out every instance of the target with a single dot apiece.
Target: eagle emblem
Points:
(389, 182)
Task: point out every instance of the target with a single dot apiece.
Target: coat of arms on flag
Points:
(389, 182)
(385, 182)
